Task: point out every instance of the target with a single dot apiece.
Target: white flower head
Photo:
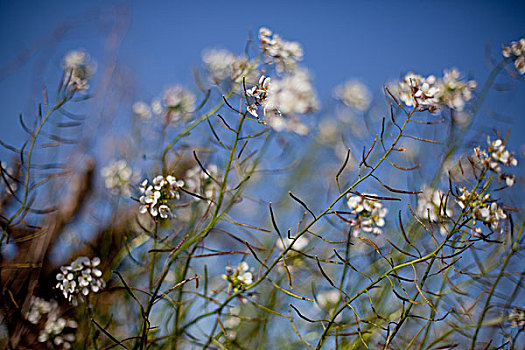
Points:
(80, 278)
(284, 54)
(156, 197)
(354, 94)
(79, 67)
(118, 177)
(516, 53)
(369, 214)
(177, 105)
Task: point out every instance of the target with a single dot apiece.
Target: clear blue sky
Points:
(374, 41)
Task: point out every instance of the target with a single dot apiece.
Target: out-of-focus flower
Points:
(369, 214)
(239, 276)
(283, 99)
(223, 65)
(142, 110)
(434, 206)
(57, 331)
(516, 52)
(482, 209)
(432, 93)
(79, 65)
(494, 157)
(415, 89)
(284, 54)
(300, 243)
(177, 105)
(454, 92)
(155, 197)
(198, 181)
(517, 318)
(118, 177)
(354, 94)
(80, 278)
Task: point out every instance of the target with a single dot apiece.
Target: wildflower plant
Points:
(344, 236)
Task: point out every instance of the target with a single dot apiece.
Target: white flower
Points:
(516, 52)
(354, 94)
(284, 54)
(79, 67)
(517, 318)
(494, 157)
(118, 177)
(155, 197)
(300, 243)
(432, 93)
(81, 277)
(283, 99)
(481, 208)
(197, 181)
(433, 205)
(142, 110)
(369, 214)
(57, 330)
(223, 65)
(239, 276)
(178, 105)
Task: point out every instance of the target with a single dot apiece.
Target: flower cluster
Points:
(369, 214)
(284, 54)
(433, 205)
(239, 276)
(283, 99)
(223, 65)
(516, 51)
(80, 67)
(118, 177)
(59, 331)
(481, 208)
(199, 181)
(354, 94)
(494, 157)
(300, 243)
(517, 318)
(80, 278)
(155, 196)
(432, 93)
(177, 104)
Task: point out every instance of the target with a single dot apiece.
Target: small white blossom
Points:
(432, 93)
(142, 110)
(81, 277)
(118, 177)
(56, 330)
(494, 157)
(517, 318)
(284, 54)
(223, 65)
(177, 105)
(415, 89)
(354, 94)
(454, 92)
(369, 214)
(80, 66)
(433, 205)
(300, 243)
(516, 52)
(198, 181)
(239, 276)
(482, 209)
(155, 196)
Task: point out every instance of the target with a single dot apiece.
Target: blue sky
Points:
(374, 41)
